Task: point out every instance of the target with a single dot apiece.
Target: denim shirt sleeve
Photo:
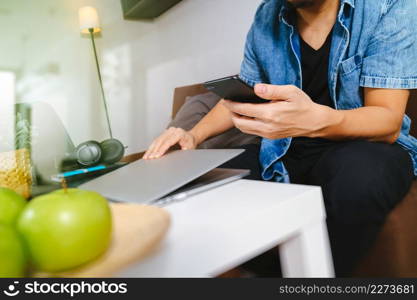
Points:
(251, 70)
(390, 61)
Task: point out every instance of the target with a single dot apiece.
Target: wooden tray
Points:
(137, 229)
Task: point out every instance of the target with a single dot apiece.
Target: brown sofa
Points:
(394, 254)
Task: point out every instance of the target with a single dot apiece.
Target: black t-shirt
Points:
(315, 66)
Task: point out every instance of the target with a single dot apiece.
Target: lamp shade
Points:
(88, 17)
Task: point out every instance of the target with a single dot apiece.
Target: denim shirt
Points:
(374, 45)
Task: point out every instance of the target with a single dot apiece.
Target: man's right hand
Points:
(169, 138)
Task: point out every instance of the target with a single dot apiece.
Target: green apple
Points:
(12, 254)
(11, 205)
(65, 229)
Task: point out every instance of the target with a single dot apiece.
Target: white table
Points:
(220, 229)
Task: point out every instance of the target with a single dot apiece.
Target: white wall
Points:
(7, 118)
(142, 61)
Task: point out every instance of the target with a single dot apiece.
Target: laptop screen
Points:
(39, 130)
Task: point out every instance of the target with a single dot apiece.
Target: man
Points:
(338, 73)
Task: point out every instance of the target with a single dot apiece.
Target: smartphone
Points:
(235, 89)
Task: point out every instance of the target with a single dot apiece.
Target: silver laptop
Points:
(147, 181)
(208, 181)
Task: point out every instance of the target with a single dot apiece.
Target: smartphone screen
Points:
(235, 89)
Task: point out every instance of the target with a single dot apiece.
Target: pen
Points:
(81, 171)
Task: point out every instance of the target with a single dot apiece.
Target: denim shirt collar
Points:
(283, 14)
(350, 2)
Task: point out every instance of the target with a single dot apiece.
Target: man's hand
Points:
(169, 138)
(291, 113)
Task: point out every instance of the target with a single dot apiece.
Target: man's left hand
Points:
(291, 113)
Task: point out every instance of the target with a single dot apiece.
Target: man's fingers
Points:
(276, 92)
(149, 151)
(165, 146)
(265, 112)
(257, 127)
(152, 148)
(155, 147)
(169, 141)
(247, 124)
(246, 109)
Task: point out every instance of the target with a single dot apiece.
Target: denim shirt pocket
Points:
(350, 65)
(349, 92)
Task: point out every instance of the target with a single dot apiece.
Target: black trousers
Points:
(361, 182)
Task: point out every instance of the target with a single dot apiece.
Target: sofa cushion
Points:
(393, 254)
(195, 108)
